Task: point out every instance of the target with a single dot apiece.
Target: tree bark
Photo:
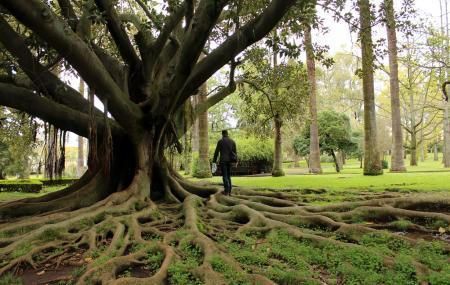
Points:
(314, 149)
(445, 56)
(80, 160)
(372, 162)
(413, 149)
(336, 163)
(446, 149)
(397, 162)
(203, 167)
(435, 152)
(277, 169)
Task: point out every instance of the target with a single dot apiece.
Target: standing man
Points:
(228, 155)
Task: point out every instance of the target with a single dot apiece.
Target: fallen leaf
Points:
(41, 273)
(441, 230)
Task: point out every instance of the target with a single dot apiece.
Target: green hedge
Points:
(28, 186)
(250, 149)
(62, 181)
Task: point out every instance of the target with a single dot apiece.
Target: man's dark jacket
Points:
(227, 149)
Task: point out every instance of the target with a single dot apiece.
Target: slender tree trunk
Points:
(314, 149)
(422, 145)
(336, 163)
(435, 152)
(397, 162)
(445, 56)
(340, 160)
(187, 152)
(277, 169)
(413, 149)
(203, 167)
(195, 138)
(446, 150)
(80, 160)
(372, 162)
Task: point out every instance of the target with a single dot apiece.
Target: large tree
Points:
(372, 161)
(130, 210)
(335, 136)
(397, 163)
(314, 148)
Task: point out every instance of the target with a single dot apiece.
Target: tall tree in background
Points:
(203, 169)
(274, 93)
(314, 149)
(444, 77)
(80, 159)
(372, 162)
(397, 162)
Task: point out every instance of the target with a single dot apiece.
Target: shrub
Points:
(29, 186)
(385, 164)
(58, 182)
(250, 149)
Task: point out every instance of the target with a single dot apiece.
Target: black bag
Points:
(233, 157)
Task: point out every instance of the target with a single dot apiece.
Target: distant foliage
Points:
(334, 132)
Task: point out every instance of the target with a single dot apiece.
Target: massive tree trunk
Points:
(314, 149)
(397, 162)
(372, 162)
(277, 169)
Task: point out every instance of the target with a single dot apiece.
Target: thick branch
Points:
(69, 13)
(49, 111)
(244, 37)
(45, 81)
(204, 20)
(118, 33)
(215, 98)
(157, 47)
(39, 17)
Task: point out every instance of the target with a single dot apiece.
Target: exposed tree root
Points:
(129, 239)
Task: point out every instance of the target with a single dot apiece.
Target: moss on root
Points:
(249, 238)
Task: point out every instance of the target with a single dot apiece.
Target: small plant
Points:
(50, 235)
(154, 260)
(21, 250)
(180, 274)
(77, 272)
(402, 225)
(231, 275)
(10, 279)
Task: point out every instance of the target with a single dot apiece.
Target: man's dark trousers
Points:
(225, 167)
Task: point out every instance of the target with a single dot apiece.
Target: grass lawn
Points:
(8, 196)
(428, 176)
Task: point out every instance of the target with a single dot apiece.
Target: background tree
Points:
(372, 162)
(335, 136)
(272, 96)
(314, 152)
(397, 163)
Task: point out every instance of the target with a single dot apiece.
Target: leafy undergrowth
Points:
(288, 260)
